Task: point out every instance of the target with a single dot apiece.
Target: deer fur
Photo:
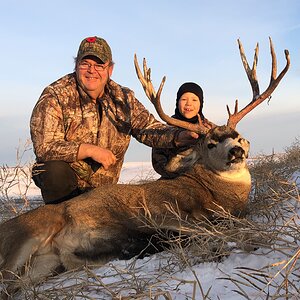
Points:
(94, 227)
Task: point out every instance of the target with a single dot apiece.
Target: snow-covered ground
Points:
(135, 171)
(194, 282)
(131, 172)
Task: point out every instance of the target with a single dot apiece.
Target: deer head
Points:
(236, 116)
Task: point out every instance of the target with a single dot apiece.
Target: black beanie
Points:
(189, 87)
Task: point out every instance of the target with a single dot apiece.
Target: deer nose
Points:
(237, 152)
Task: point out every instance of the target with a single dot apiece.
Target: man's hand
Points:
(185, 138)
(98, 154)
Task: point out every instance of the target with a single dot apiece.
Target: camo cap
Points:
(94, 46)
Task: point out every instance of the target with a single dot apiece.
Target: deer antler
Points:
(155, 99)
(251, 73)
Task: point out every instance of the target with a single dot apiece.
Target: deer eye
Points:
(211, 145)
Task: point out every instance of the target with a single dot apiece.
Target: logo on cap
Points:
(91, 39)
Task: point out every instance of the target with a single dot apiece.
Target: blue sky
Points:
(184, 40)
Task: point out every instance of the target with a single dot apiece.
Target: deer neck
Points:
(241, 175)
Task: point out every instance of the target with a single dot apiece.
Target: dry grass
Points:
(271, 225)
(275, 225)
(15, 182)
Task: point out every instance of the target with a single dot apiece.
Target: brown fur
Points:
(94, 227)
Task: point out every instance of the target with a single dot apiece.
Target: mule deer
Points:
(95, 226)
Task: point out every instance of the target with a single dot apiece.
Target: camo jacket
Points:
(65, 117)
(166, 162)
(169, 163)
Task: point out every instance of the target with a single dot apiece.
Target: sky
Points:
(186, 41)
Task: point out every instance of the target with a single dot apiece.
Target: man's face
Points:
(93, 75)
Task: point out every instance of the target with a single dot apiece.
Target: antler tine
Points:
(155, 99)
(143, 78)
(235, 109)
(275, 81)
(258, 98)
(251, 73)
(274, 61)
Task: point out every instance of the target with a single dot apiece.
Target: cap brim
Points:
(91, 54)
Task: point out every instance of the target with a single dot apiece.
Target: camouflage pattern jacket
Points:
(170, 163)
(65, 117)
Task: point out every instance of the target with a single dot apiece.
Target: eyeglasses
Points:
(84, 65)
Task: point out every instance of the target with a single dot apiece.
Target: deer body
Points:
(95, 226)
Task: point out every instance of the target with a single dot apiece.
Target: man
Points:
(82, 124)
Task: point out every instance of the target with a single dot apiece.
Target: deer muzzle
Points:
(236, 154)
